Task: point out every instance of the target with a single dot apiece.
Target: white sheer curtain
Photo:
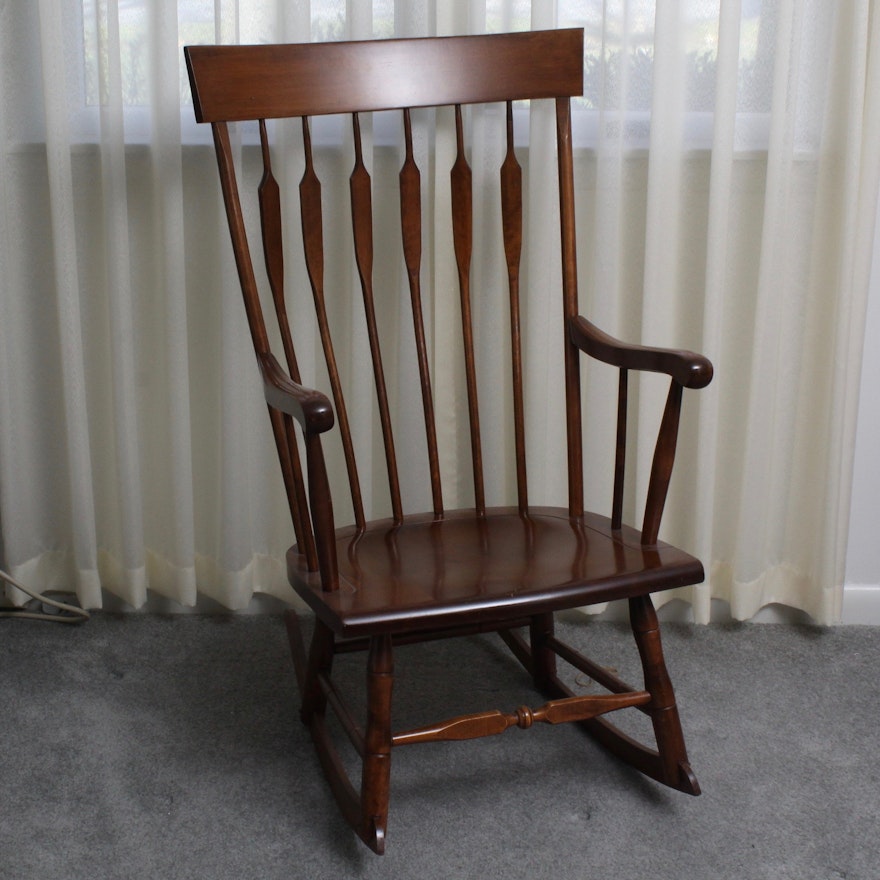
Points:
(727, 167)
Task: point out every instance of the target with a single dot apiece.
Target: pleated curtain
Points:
(726, 159)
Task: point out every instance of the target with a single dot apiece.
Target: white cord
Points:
(69, 613)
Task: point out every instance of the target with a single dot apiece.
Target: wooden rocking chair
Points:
(414, 577)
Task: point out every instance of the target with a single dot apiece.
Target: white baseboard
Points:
(861, 604)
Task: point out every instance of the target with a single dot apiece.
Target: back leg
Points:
(320, 662)
(543, 658)
(297, 647)
(667, 764)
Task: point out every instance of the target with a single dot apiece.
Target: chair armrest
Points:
(687, 368)
(310, 408)
(315, 414)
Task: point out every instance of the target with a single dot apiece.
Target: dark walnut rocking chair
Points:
(411, 578)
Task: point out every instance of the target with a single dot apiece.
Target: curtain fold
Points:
(726, 158)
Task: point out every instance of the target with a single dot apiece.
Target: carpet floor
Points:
(147, 746)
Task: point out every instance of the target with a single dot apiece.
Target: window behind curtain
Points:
(619, 58)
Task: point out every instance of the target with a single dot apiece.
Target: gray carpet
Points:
(141, 746)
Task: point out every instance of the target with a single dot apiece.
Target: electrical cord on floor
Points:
(64, 613)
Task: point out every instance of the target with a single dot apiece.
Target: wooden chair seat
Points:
(414, 577)
(464, 570)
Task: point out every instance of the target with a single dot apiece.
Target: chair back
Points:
(260, 83)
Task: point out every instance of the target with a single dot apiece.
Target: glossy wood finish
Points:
(313, 249)
(493, 722)
(570, 307)
(511, 219)
(442, 573)
(411, 227)
(459, 570)
(462, 237)
(232, 83)
(688, 369)
(362, 225)
(685, 369)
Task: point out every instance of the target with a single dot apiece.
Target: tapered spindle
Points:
(462, 236)
(511, 218)
(362, 226)
(313, 245)
(273, 250)
(288, 452)
(411, 229)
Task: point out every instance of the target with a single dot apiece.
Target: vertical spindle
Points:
(411, 229)
(273, 252)
(462, 236)
(511, 218)
(313, 246)
(362, 228)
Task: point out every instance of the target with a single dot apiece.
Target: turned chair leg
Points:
(365, 810)
(662, 708)
(376, 780)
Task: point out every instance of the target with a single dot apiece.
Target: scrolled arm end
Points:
(699, 370)
(310, 408)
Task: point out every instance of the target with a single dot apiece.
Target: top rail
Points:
(234, 83)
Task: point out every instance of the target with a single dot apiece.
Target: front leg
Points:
(376, 781)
